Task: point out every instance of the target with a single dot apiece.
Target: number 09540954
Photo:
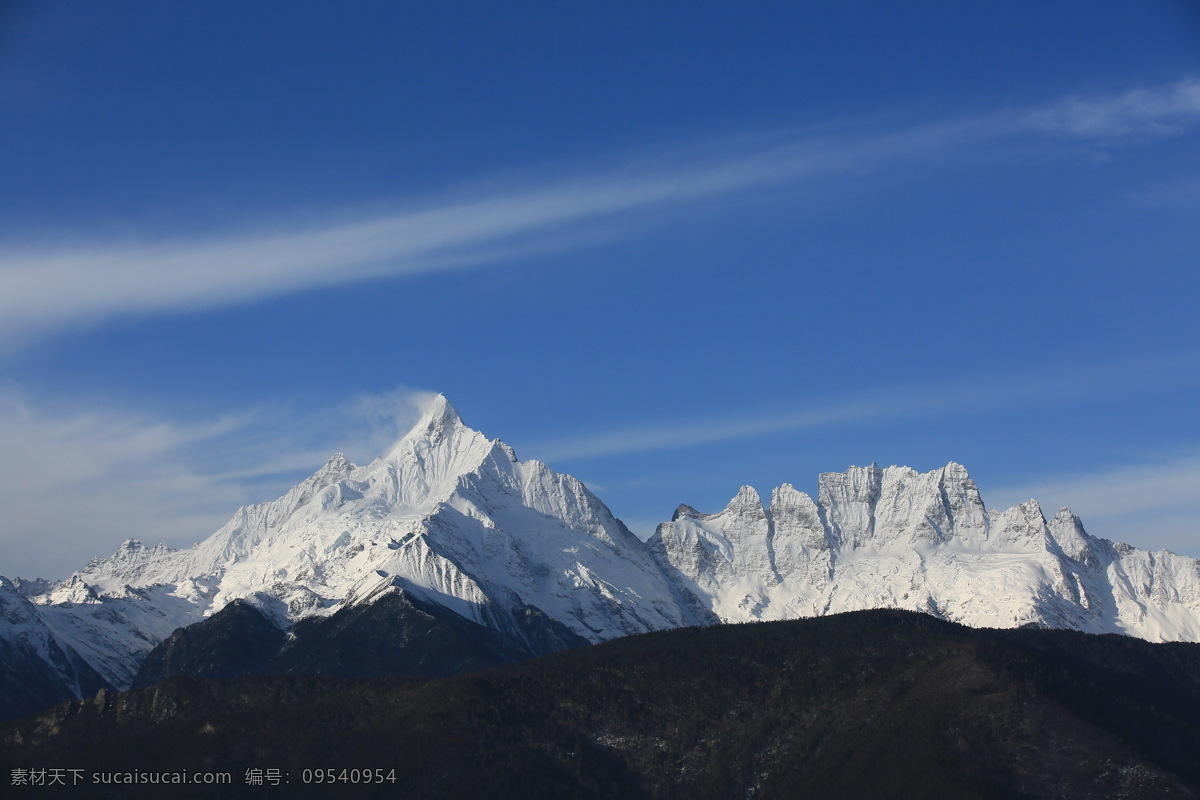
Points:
(348, 775)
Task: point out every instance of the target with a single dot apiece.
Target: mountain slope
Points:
(38, 668)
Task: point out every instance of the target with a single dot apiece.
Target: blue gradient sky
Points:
(669, 248)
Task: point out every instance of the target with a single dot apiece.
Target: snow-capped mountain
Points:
(896, 538)
(447, 515)
(450, 525)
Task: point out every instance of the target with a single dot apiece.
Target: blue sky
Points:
(668, 248)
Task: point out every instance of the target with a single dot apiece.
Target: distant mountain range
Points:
(449, 554)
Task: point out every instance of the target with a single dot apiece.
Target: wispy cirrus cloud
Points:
(42, 290)
(75, 482)
(969, 395)
(1137, 114)
(75, 478)
(1153, 504)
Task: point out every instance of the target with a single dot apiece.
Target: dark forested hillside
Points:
(871, 704)
(397, 634)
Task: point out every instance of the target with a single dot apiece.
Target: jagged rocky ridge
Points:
(452, 520)
(896, 538)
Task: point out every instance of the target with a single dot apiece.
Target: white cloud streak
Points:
(1138, 114)
(93, 478)
(966, 396)
(43, 291)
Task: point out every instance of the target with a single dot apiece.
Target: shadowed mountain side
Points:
(27, 686)
(237, 640)
(36, 669)
(868, 704)
(396, 634)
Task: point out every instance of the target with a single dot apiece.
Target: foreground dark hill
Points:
(870, 704)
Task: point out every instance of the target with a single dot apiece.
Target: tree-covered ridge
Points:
(868, 704)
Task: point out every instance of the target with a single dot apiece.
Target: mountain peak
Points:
(746, 503)
(438, 418)
(439, 408)
(335, 468)
(685, 512)
(955, 471)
